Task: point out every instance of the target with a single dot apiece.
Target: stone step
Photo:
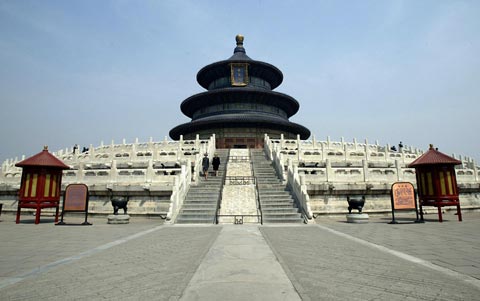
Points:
(281, 217)
(194, 206)
(277, 205)
(271, 175)
(283, 214)
(273, 211)
(272, 193)
(194, 220)
(199, 201)
(193, 197)
(204, 197)
(207, 185)
(277, 200)
(204, 192)
(198, 213)
(281, 189)
(272, 201)
(210, 184)
(272, 187)
(270, 183)
(270, 220)
(273, 180)
(211, 178)
(204, 202)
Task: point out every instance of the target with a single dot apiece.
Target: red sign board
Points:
(75, 200)
(403, 196)
(76, 197)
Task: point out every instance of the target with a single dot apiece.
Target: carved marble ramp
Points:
(240, 266)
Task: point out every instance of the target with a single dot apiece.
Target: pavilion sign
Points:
(403, 198)
(75, 200)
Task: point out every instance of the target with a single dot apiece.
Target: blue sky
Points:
(90, 71)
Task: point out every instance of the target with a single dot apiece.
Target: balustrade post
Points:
(367, 154)
(150, 172)
(322, 148)
(302, 181)
(134, 150)
(399, 170)
(366, 174)
(328, 170)
(183, 170)
(475, 170)
(189, 171)
(295, 174)
(80, 172)
(299, 154)
(113, 172)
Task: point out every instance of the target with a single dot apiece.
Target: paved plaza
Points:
(329, 260)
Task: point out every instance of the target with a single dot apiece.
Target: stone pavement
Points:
(330, 260)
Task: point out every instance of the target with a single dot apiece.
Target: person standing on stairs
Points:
(215, 163)
(205, 165)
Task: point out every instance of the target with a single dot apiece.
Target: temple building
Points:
(271, 170)
(240, 106)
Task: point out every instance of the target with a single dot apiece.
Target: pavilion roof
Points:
(44, 159)
(434, 157)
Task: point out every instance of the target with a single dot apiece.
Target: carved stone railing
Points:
(181, 186)
(322, 161)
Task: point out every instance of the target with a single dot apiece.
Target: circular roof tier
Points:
(268, 72)
(259, 69)
(245, 95)
(240, 120)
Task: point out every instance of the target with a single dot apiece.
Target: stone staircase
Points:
(277, 202)
(200, 204)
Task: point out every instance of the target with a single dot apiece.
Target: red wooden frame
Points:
(39, 201)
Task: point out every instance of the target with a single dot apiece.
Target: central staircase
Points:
(277, 202)
(200, 204)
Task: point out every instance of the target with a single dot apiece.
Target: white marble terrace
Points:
(312, 169)
(144, 164)
(354, 162)
(322, 173)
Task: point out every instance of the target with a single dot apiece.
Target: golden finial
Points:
(431, 146)
(45, 147)
(239, 39)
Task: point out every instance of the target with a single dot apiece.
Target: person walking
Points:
(215, 163)
(205, 165)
